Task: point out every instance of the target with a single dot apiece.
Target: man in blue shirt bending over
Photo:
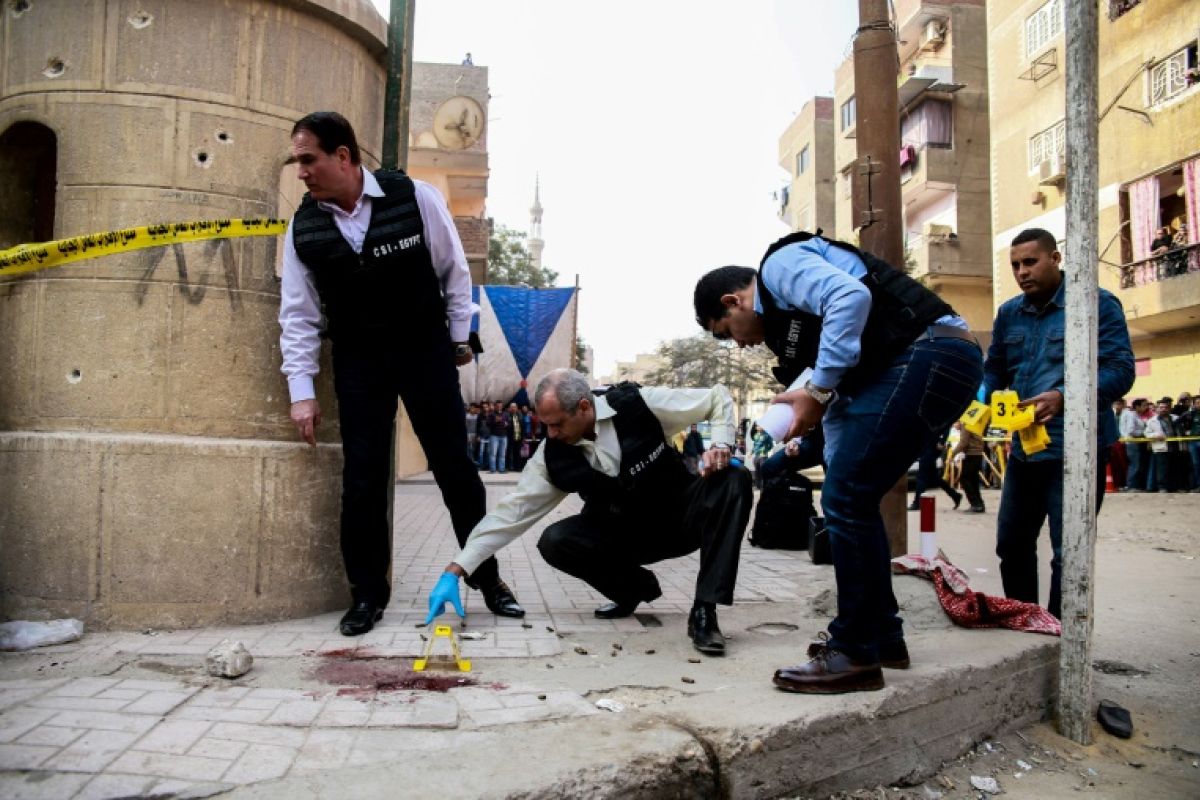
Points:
(1026, 355)
(893, 367)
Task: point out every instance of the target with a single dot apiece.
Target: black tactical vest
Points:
(901, 309)
(651, 478)
(390, 285)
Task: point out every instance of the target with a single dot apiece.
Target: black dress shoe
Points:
(915, 505)
(957, 499)
(501, 601)
(706, 636)
(829, 672)
(616, 610)
(975, 510)
(894, 655)
(361, 617)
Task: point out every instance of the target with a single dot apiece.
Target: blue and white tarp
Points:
(525, 333)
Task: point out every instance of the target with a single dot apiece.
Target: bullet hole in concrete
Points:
(75, 376)
(203, 159)
(224, 137)
(141, 20)
(19, 7)
(54, 68)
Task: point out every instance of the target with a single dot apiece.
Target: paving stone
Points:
(16, 722)
(222, 714)
(296, 712)
(154, 686)
(218, 748)
(91, 752)
(188, 768)
(51, 735)
(84, 687)
(72, 703)
(159, 703)
(120, 694)
(173, 736)
(15, 697)
(22, 756)
(103, 720)
(263, 734)
(106, 787)
(40, 785)
(261, 762)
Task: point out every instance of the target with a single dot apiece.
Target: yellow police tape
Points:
(33, 257)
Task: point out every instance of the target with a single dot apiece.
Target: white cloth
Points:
(1156, 430)
(300, 307)
(535, 496)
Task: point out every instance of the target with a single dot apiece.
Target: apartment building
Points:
(806, 152)
(942, 89)
(1149, 164)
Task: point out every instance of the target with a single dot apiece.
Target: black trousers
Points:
(608, 551)
(368, 378)
(969, 480)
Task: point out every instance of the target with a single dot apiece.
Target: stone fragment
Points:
(985, 784)
(229, 659)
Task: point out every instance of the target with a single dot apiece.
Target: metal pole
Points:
(876, 182)
(1079, 419)
(398, 90)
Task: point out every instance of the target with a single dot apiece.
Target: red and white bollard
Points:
(928, 528)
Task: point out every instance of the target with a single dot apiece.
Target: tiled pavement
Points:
(98, 737)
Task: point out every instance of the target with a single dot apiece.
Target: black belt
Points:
(946, 332)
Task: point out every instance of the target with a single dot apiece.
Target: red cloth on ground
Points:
(975, 609)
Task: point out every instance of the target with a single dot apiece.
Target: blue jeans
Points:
(1032, 493)
(870, 442)
(1194, 452)
(1138, 459)
(497, 445)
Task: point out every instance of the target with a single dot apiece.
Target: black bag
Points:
(818, 542)
(784, 509)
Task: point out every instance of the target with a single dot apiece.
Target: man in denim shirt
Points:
(1026, 355)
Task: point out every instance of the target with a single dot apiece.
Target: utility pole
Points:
(876, 205)
(398, 90)
(1079, 419)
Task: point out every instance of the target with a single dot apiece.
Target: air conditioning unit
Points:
(933, 34)
(1052, 170)
(933, 230)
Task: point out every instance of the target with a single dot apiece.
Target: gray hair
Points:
(568, 386)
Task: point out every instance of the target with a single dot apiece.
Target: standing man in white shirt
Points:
(640, 503)
(373, 262)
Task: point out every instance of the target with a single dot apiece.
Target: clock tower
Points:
(535, 227)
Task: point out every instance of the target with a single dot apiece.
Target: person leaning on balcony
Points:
(372, 260)
(1026, 355)
(892, 367)
(1162, 242)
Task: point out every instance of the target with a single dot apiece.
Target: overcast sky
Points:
(654, 125)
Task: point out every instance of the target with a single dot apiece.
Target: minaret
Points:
(535, 227)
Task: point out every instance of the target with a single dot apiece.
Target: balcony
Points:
(1162, 294)
(944, 255)
(931, 172)
(1175, 263)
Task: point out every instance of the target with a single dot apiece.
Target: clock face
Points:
(458, 123)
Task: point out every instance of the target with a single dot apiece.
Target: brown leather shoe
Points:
(829, 672)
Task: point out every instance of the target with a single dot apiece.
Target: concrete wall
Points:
(845, 151)
(149, 474)
(1137, 140)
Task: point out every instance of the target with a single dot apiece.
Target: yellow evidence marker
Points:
(1034, 439)
(1007, 414)
(975, 418)
(442, 632)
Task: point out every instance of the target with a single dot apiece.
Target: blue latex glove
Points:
(982, 394)
(445, 591)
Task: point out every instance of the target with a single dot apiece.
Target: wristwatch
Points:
(462, 349)
(822, 396)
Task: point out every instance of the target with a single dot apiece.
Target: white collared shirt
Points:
(300, 308)
(535, 496)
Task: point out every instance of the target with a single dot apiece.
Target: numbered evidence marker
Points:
(442, 632)
(1034, 438)
(1007, 414)
(975, 418)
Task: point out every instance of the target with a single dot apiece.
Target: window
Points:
(1173, 74)
(1042, 26)
(1045, 145)
(802, 160)
(931, 124)
(848, 113)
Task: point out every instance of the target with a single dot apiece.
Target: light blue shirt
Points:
(818, 278)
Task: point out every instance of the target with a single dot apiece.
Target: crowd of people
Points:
(501, 439)
(1159, 449)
